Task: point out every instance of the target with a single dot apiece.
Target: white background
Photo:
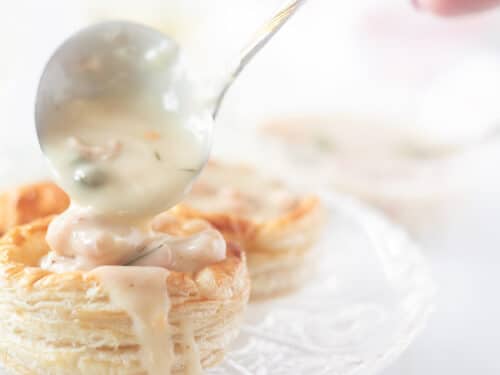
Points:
(378, 58)
(463, 334)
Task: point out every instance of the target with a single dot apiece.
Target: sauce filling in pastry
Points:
(82, 239)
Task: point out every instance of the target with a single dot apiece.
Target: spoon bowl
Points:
(112, 59)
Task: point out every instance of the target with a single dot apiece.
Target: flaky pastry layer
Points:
(65, 324)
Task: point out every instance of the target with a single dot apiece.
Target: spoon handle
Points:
(259, 40)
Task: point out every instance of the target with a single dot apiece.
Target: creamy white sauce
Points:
(133, 161)
(191, 350)
(184, 254)
(142, 293)
(82, 239)
(127, 149)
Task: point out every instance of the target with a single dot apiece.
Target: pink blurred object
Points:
(454, 7)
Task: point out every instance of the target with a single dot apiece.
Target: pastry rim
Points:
(215, 281)
(249, 230)
(28, 202)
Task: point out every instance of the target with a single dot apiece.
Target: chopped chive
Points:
(157, 156)
(192, 170)
(323, 143)
(146, 253)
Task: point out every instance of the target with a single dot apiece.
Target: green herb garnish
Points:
(190, 170)
(323, 143)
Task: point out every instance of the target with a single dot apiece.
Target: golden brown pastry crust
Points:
(64, 323)
(278, 246)
(30, 202)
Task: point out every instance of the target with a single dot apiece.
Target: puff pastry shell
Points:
(65, 324)
(275, 227)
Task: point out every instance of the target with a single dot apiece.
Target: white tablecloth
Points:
(463, 334)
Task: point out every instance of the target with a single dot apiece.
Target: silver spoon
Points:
(113, 56)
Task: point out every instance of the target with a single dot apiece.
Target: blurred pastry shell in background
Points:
(65, 322)
(23, 204)
(276, 227)
(397, 169)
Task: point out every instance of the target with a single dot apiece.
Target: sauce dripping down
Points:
(140, 288)
(126, 140)
(191, 350)
(142, 293)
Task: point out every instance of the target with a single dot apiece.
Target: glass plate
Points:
(371, 295)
